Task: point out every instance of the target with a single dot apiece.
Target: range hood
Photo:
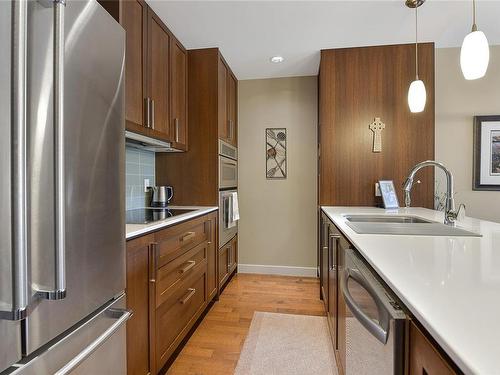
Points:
(143, 142)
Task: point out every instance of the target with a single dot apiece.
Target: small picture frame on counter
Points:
(389, 195)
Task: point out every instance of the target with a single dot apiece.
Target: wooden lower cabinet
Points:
(342, 309)
(212, 267)
(228, 260)
(179, 312)
(138, 300)
(171, 278)
(424, 358)
(323, 261)
(223, 264)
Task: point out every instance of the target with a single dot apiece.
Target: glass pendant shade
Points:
(417, 96)
(474, 55)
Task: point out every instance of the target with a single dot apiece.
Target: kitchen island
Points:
(451, 285)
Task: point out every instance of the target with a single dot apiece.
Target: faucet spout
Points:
(450, 214)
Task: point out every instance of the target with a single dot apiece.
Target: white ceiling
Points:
(250, 32)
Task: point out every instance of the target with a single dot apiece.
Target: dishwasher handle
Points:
(380, 330)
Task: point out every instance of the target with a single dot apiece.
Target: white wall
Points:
(457, 101)
(278, 217)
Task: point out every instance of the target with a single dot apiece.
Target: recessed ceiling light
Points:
(277, 59)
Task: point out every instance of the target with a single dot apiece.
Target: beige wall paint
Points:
(457, 101)
(277, 217)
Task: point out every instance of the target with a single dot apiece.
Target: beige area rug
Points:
(287, 344)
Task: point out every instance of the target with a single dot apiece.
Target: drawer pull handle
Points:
(190, 264)
(190, 293)
(188, 236)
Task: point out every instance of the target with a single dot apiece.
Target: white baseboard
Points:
(277, 270)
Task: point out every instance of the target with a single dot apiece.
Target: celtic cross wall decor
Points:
(276, 153)
(376, 127)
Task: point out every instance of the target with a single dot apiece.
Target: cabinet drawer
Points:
(175, 241)
(171, 276)
(175, 316)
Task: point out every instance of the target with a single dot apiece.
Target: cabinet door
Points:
(324, 263)
(233, 254)
(134, 21)
(212, 277)
(333, 241)
(223, 117)
(232, 108)
(158, 78)
(424, 358)
(341, 310)
(178, 81)
(224, 263)
(138, 288)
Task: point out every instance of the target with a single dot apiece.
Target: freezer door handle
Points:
(122, 315)
(17, 310)
(59, 291)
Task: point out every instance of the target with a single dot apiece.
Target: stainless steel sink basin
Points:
(403, 225)
(386, 219)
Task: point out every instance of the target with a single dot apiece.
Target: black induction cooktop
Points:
(150, 215)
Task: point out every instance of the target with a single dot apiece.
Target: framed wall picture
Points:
(276, 153)
(389, 195)
(486, 167)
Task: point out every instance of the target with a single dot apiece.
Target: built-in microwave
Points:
(228, 166)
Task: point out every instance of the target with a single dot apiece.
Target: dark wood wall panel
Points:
(194, 174)
(356, 85)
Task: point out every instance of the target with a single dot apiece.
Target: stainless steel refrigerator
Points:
(62, 227)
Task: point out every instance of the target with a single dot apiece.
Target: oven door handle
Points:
(380, 330)
(225, 204)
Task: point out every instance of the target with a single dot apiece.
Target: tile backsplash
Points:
(139, 165)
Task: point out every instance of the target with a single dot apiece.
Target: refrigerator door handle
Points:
(59, 292)
(122, 315)
(18, 308)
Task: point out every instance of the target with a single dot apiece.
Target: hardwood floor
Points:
(215, 346)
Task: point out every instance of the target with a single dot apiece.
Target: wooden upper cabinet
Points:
(227, 103)
(158, 77)
(134, 20)
(179, 82)
(232, 109)
(223, 118)
(155, 74)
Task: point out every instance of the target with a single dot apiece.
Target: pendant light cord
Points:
(474, 26)
(416, 41)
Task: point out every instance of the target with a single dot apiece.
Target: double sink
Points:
(403, 225)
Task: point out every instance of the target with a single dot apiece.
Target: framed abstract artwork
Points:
(276, 153)
(486, 173)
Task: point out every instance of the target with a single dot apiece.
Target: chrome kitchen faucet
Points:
(450, 214)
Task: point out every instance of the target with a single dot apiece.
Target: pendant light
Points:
(417, 96)
(475, 52)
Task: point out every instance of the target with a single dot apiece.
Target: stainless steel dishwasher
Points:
(375, 324)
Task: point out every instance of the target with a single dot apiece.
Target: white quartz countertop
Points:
(136, 230)
(450, 284)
